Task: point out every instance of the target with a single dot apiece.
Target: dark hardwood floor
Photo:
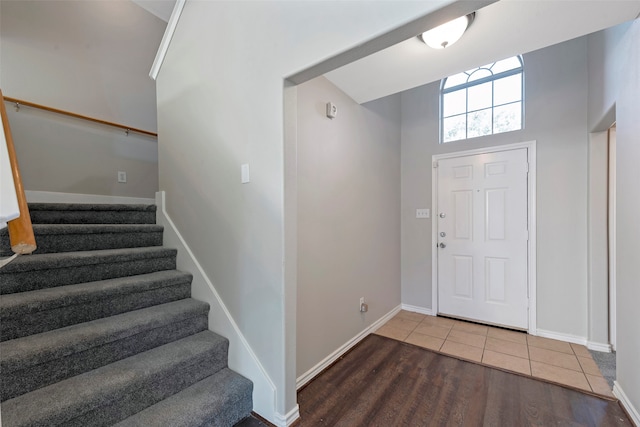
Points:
(383, 382)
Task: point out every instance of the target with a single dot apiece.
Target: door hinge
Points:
(527, 166)
(435, 165)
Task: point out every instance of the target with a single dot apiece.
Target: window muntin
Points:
(482, 101)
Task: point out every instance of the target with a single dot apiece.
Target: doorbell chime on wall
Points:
(332, 110)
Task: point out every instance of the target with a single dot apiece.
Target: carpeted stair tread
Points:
(62, 296)
(116, 391)
(85, 213)
(35, 349)
(33, 272)
(90, 207)
(62, 229)
(53, 238)
(38, 360)
(222, 399)
(26, 313)
(97, 328)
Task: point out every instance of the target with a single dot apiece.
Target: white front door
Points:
(482, 237)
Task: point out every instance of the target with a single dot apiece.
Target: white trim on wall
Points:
(626, 402)
(166, 38)
(288, 419)
(612, 237)
(599, 346)
(324, 363)
(55, 197)
(242, 358)
(532, 261)
(416, 309)
(574, 339)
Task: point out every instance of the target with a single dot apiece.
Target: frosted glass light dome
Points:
(446, 34)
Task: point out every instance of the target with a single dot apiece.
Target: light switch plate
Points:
(244, 172)
(422, 213)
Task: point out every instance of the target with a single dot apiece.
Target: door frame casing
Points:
(531, 221)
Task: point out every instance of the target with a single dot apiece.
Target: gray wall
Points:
(604, 62)
(71, 156)
(615, 67)
(220, 104)
(90, 58)
(628, 212)
(556, 117)
(348, 217)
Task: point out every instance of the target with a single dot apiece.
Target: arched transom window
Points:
(482, 101)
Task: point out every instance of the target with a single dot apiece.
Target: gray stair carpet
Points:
(53, 238)
(27, 313)
(28, 273)
(97, 328)
(61, 213)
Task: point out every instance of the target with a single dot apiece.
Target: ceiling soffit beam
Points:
(395, 36)
(166, 39)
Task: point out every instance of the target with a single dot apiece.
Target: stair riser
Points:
(92, 217)
(220, 400)
(53, 243)
(232, 412)
(42, 321)
(22, 381)
(111, 330)
(134, 401)
(49, 278)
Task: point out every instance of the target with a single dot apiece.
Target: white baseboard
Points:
(620, 394)
(313, 372)
(242, 358)
(598, 346)
(574, 339)
(416, 309)
(288, 419)
(54, 197)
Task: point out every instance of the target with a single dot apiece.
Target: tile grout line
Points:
(484, 348)
(529, 357)
(584, 374)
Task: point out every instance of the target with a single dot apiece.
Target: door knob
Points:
(442, 245)
(442, 215)
(443, 234)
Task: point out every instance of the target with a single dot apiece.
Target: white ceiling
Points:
(500, 30)
(160, 8)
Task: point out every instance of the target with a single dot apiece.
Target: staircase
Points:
(97, 328)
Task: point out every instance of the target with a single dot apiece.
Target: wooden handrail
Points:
(20, 229)
(20, 102)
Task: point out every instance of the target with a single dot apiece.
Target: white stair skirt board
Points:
(313, 372)
(242, 358)
(54, 197)
(628, 406)
(416, 309)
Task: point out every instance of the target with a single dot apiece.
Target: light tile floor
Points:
(556, 361)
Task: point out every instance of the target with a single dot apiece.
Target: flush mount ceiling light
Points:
(447, 34)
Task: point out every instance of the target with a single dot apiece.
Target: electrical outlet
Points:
(422, 213)
(122, 176)
(364, 307)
